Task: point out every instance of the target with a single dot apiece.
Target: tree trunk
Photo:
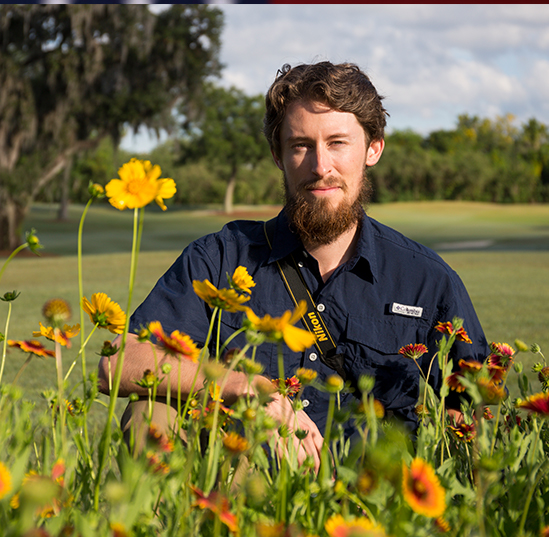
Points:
(12, 216)
(229, 193)
(63, 213)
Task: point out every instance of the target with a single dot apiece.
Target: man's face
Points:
(324, 158)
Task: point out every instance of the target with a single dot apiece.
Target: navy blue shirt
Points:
(392, 293)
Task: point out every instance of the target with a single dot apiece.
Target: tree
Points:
(227, 134)
(71, 75)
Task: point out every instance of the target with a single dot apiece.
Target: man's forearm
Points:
(140, 357)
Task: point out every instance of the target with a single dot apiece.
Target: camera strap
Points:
(313, 321)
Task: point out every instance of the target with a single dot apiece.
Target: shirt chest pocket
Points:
(371, 347)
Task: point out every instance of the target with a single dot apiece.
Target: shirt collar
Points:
(285, 242)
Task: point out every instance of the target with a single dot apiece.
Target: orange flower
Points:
(461, 335)
(422, 489)
(413, 351)
(492, 392)
(217, 504)
(62, 336)
(448, 329)
(501, 355)
(337, 526)
(538, 403)
(289, 387)
(176, 344)
(445, 328)
(454, 382)
(160, 439)
(32, 346)
(463, 431)
(442, 525)
(235, 444)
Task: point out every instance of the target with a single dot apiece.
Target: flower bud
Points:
(33, 241)
(57, 311)
(166, 368)
(334, 384)
(535, 348)
(521, 346)
(301, 434)
(9, 297)
(518, 366)
(133, 397)
(366, 383)
(95, 190)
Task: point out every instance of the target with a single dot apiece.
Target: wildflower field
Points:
(66, 471)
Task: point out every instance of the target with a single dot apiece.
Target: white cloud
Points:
(431, 61)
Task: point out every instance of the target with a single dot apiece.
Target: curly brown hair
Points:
(343, 87)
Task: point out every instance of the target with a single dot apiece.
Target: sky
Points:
(431, 62)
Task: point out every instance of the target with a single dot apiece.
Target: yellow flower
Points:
(139, 185)
(241, 280)
(337, 526)
(5, 480)
(422, 489)
(225, 299)
(105, 313)
(63, 335)
(282, 329)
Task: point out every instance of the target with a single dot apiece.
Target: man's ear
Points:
(374, 152)
(277, 161)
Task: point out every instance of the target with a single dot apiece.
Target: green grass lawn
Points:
(500, 251)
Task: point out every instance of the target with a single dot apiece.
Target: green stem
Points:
(5, 342)
(12, 255)
(81, 293)
(60, 394)
(27, 361)
(532, 488)
(107, 433)
(213, 433)
(324, 452)
(81, 351)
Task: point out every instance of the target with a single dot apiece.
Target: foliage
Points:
(486, 476)
(480, 160)
(71, 75)
(227, 135)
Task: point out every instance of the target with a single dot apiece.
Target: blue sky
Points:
(430, 61)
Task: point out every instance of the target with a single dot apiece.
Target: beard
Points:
(317, 222)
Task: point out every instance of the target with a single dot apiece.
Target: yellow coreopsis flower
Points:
(241, 280)
(139, 185)
(5, 480)
(63, 335)
(225, 299)
(105, 313)
(283, 329)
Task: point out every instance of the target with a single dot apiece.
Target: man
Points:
(377, 291)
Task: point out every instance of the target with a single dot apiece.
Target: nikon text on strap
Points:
(312, 319)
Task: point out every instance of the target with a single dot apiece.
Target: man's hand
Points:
(280, 408)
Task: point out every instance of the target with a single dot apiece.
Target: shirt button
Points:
(305, 402)
(300, 264)
(320, 307)
(313, 356)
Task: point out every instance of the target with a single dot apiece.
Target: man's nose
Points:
(321, 164)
